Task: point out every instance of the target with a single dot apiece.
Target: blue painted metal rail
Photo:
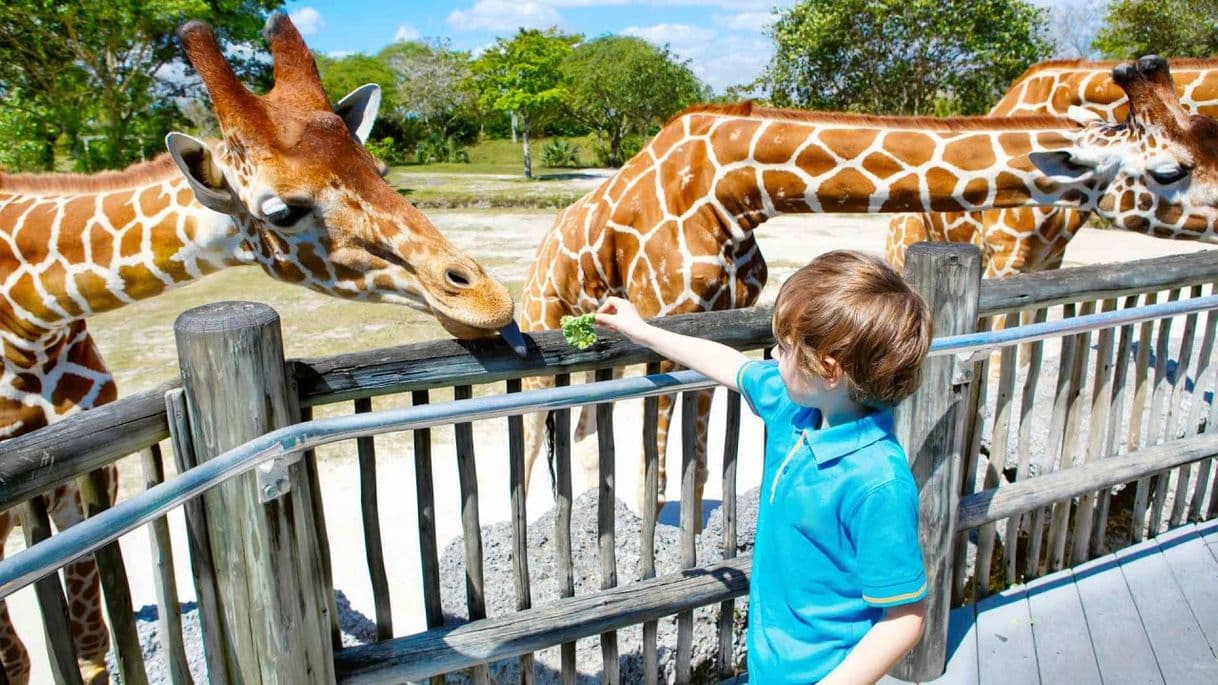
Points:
(49, 555)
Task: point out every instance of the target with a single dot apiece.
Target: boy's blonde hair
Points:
(856, 309)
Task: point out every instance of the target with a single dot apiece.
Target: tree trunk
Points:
(528, 158)
(615, 149)
(513, 128)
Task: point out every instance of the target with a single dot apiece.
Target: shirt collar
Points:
(835, 442)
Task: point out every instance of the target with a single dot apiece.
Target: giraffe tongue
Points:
(511, 333)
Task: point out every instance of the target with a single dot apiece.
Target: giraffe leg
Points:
(13, 655)
(534, 430)
(88, 626)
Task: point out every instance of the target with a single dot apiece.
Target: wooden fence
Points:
(1035, 495)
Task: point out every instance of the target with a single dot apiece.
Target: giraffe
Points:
(1025, 239)
(289, 188)
(672, 230)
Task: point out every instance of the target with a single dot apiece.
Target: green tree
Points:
(902, 56)
(433, 83)
(1172, 28)
(523, 76)
(96, 67)
(617, 85)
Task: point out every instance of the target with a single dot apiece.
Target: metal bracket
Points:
(272, 477)
(962, 371)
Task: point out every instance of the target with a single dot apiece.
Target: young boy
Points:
(837, 586)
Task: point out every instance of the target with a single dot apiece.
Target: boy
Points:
(837, 585)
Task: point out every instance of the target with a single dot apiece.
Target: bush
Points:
(560, 153)
(385, 149)
(438, 148)
(631, 145)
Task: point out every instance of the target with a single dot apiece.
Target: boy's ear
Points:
(833, 369)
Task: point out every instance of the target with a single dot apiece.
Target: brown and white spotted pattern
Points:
(1029, 239)
(289, 188)
(671, 231)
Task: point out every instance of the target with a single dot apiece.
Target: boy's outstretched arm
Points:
(882, 647)
(714, 360)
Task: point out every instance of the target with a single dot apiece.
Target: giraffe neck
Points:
(65, 256)
(751, 168)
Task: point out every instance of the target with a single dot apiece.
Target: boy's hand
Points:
(621, 316)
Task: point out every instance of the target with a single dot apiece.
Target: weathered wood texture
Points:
(438, 651)
(267, 560)
(36, 527)
(928, 424)
(999, 503)
(169, 610)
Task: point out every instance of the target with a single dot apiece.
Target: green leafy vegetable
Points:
(578, 330)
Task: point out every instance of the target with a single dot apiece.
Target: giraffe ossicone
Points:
(672, 230)
(289, 188)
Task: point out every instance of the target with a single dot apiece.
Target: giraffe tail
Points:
(551, 453)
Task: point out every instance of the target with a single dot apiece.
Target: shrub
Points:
(560, 153)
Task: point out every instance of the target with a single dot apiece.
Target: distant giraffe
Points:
(1025, 239)
(672, 230)
(289, 188)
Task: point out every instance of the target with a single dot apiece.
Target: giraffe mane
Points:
(1107, 65)
(140, 173)
(749, 109)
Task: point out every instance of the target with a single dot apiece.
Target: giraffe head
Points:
(309, 202)
(1156, 172)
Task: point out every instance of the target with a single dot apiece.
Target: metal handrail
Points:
(49, 555)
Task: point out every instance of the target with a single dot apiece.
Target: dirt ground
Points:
(138, 344)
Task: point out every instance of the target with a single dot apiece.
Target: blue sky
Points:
(725, 40)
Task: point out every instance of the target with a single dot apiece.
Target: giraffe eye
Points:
(1165, 176)
(288, 215)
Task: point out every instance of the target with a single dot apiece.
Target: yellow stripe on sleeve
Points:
(896, 598)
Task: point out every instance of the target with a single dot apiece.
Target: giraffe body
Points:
(1025, 239)
(289, 188)
(671, 231)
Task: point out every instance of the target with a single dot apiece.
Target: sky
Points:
(725, 40)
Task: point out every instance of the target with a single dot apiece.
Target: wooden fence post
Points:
(269, 575)
(929, 425)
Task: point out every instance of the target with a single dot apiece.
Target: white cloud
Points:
(753, 22)
(405, 32)
(680, 37)
(504, 16)
(339, 54)
(307, 20)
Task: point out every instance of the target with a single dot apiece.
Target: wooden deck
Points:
(1146, 614)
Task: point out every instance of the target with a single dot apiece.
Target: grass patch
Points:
(494, 156)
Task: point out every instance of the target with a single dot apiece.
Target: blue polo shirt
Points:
(837, 534)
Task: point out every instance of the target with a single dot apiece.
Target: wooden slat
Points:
(1064, 652)
(418, 656)
(606, 523)
(1004, 639)
(169, 609)
(36, 527)
(467, 476)
(1036, 353)
(1071, 450)
(202, 567)
(1204, 379)
(1117, 412)
(1179, 380)
(1157, 431)
(1194, 568)
(371, 518)
(426, 506)
(116, 589)
(996, 463)
(998, 503)
(647, 532)
(1137, 417)
(1174, 634)
(1056, 447)
(691, 520)
(564, 568)
(1101, 399)
(520, 525)
(973, 418)
(1122, 649)
(731, 448)
(318, 515)
(962, 660)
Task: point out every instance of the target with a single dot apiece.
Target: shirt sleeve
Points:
(885, 533)
(761, 386)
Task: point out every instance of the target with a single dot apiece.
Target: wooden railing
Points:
(1061, 511)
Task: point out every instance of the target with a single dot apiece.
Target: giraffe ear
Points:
(359, 109)
(193, 157)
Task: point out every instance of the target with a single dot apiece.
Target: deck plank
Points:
(1195, 569)
(1180, 647)
(962, 665)
(1209, 532)
(1064, 652)
(1005, 651)
(1122, 649)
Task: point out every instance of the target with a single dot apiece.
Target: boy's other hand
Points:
(621, 316)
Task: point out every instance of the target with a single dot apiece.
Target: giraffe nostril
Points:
(458, 278)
